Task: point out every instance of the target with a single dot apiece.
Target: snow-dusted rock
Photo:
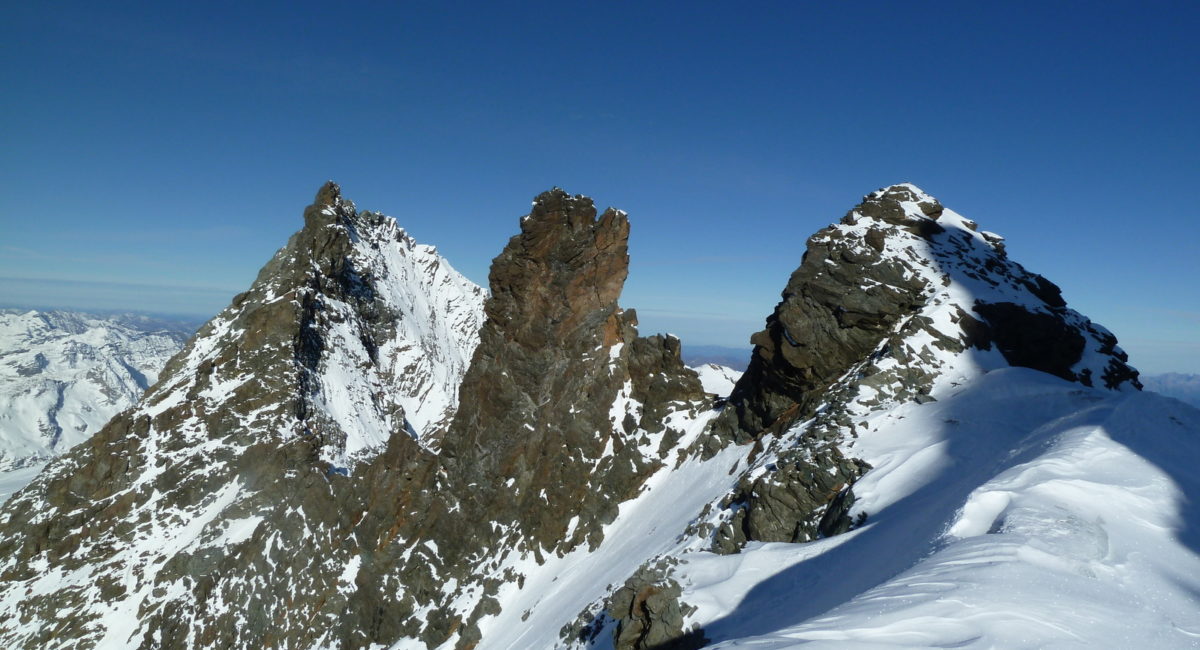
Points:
(351, 341)
(898, 466)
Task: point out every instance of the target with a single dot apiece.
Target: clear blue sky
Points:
(155, 155)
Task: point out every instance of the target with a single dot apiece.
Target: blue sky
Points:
(155, 155)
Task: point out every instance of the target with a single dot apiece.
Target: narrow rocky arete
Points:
(367, 451)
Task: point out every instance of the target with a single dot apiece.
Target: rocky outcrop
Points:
(562, 417)
(649, 614)
(878, 304)
(1049, 342)
(644, 613)
(801, 497)
(562, 395)
(846, 297)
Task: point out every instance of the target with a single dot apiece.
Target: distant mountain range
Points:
(730, 357)
(63, 375)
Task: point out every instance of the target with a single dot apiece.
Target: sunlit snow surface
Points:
(1022, 511)
(1016, 510)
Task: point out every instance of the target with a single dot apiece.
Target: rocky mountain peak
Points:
(895, 205)
(562, 417)
(898, 254)
(352, 340)
(900, 296)
(554, 332)
(329, 195)
(366, 450)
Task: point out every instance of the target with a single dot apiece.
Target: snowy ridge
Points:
(259, 487)
(1051, 484)
(1015, 511)
(64, 374)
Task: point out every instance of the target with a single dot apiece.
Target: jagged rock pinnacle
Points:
(559, 379)
(566, 267)
(328, 207)
(329, 194)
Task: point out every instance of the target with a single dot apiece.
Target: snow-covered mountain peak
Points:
(900, 301)
(365, 331)
(352, 341)
(900, 265)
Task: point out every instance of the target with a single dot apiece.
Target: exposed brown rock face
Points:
(548, 440)
(556, 353)
(649, 614)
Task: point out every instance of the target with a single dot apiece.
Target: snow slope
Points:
(422, 355)
(1003, 507)
(1017, 511)
(64, 374)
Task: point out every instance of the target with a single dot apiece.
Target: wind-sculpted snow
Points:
(1018, 510)
(64, 374)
